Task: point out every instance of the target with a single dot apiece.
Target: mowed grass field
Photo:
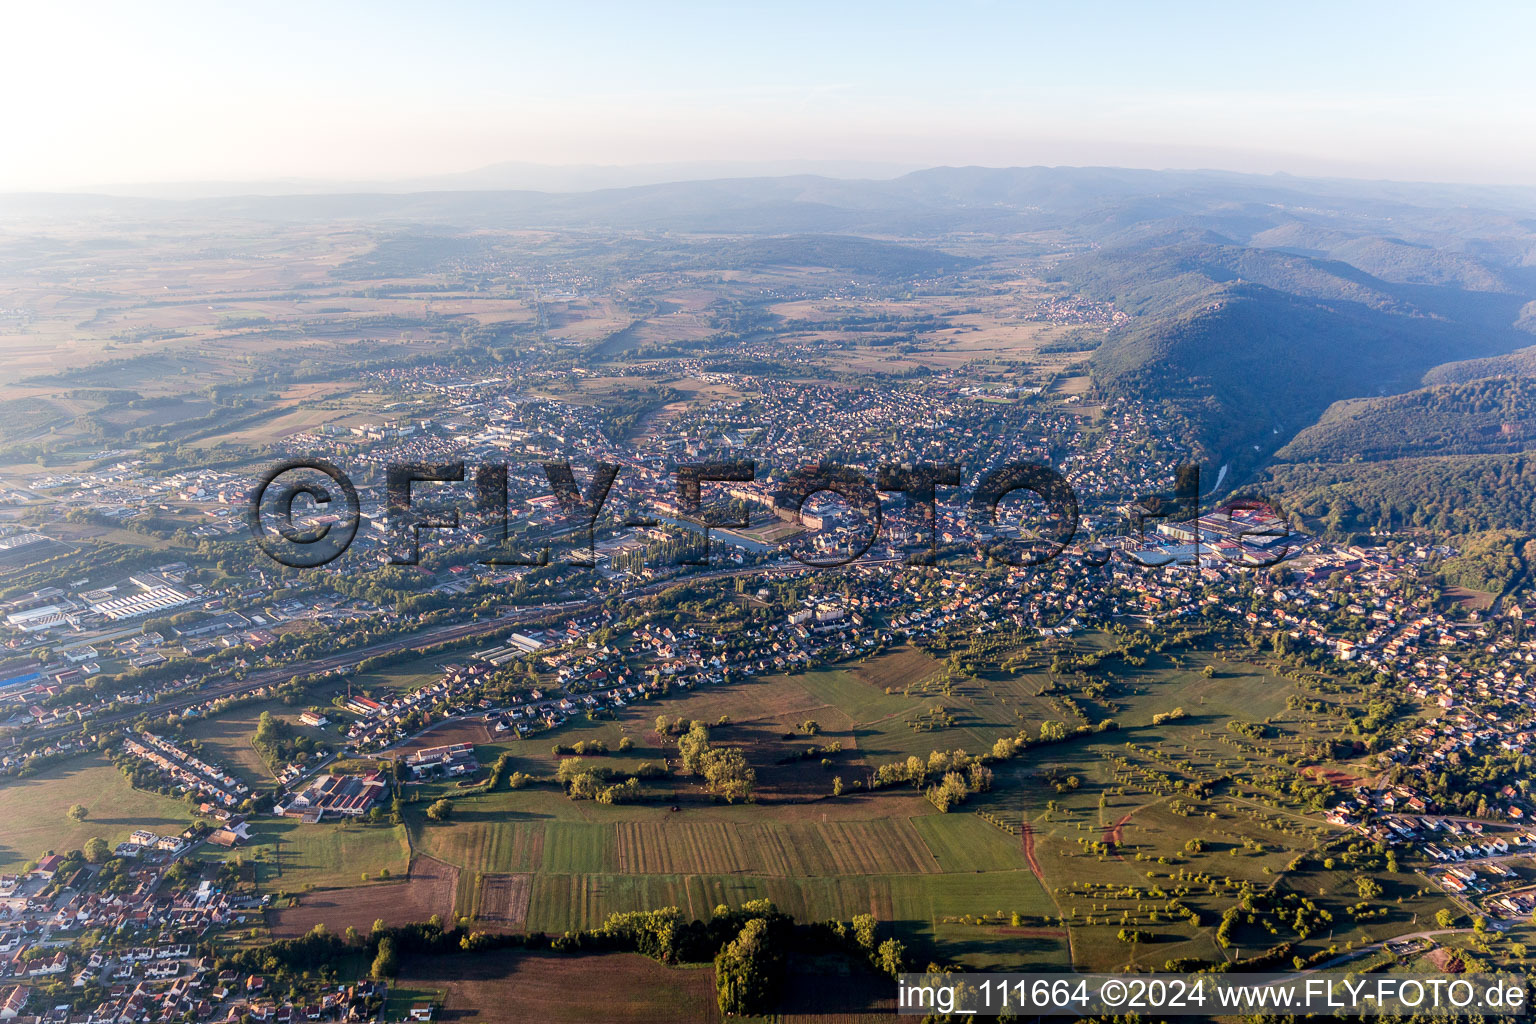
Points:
(227, 738)
(794, 849)
(33, 810)
(292, 856)
(488, 846)
(881, 722)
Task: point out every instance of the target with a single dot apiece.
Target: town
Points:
(1148, 711)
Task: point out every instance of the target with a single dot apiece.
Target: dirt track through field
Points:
(1029, 851)
(1115, 835)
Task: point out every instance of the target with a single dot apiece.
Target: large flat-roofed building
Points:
(154, 594)
(38, 620)
(452, 759)
(525, 642)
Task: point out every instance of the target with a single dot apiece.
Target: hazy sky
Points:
(171, 92)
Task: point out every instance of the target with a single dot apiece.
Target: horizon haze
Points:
(173, 93)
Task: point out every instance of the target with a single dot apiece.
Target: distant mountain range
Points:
(1308, 215)
(518, 176)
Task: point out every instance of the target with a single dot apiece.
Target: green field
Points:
(402, 676)
(227, 738)
(956, 878)
(562, 902)
(965, 842)
(32, 810)
(917, 905)
(292, 856)
(571, 847)
(793, 849)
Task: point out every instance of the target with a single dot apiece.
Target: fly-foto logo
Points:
(329, 532)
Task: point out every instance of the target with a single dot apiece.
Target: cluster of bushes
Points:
(605, 785)
(277, 742)
(724, 769)
(955, 788)
(581, 747)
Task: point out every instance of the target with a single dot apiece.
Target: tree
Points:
(77, 813)
(749, 971)
(626, 792)
(950, 791)
(864, 930)
(891, 957)
(837, 785)
(268, 731)
(96, 850)
(727, 774)
(440, 810)
(692, 746)
(385, 964)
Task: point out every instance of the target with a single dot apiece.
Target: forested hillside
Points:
(1459, 494)
(1492, 562)
(1519, 363)
(1496, 414)
(1253, 346)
